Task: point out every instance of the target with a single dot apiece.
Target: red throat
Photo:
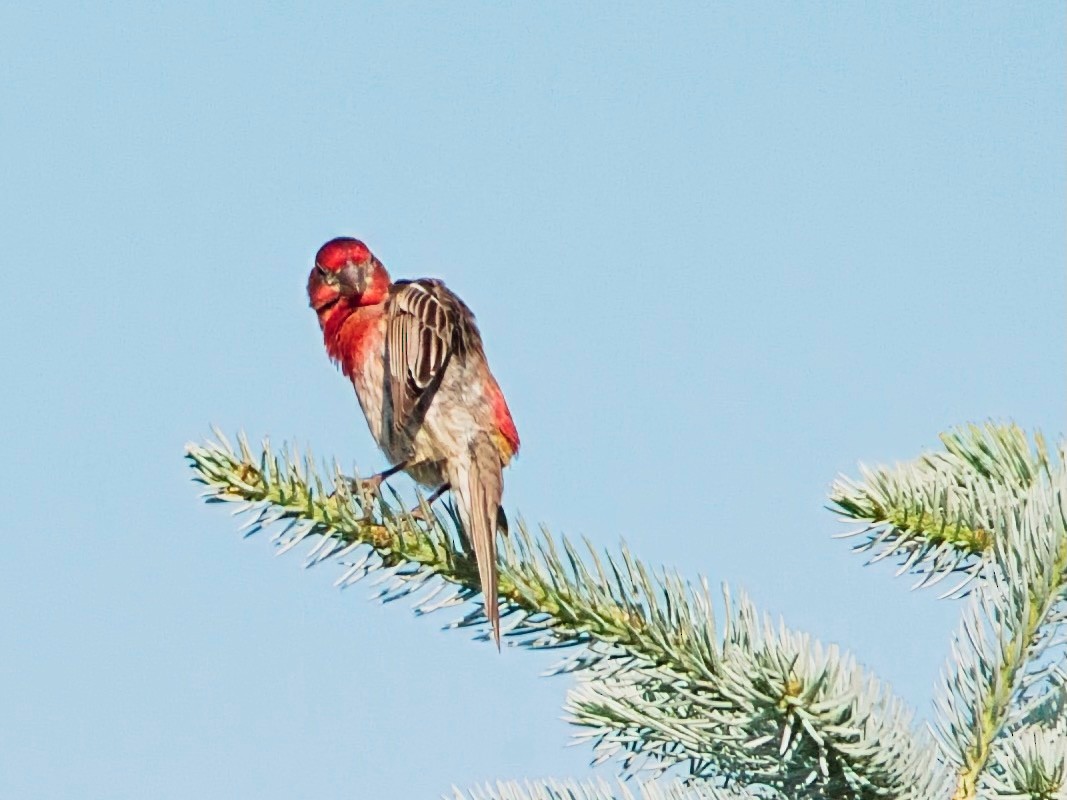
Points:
(350, 333)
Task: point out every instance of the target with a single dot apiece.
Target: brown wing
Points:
(428, 327)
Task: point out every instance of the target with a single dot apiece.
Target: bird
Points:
(414, 355)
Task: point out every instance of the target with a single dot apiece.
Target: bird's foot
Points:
(422, 514)
(366, 486)
(369, 487)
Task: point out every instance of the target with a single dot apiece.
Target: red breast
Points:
(352, 335)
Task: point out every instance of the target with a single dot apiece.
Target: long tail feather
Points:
(478, 485)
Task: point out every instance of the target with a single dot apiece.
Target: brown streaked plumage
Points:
(414, 354)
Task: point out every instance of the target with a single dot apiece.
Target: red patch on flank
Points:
(502, 415)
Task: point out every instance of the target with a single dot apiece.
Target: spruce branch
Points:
(550, 595)
(841, 734)
(788, 717)
(598, 790)
(1004, 670)
(1031, 764)
(934, 514)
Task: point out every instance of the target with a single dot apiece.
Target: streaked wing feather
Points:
(428, 326)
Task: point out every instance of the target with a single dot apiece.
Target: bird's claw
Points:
(366, 487)
(422, 514)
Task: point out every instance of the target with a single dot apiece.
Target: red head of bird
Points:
(346, 276)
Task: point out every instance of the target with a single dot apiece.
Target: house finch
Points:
(414, 355)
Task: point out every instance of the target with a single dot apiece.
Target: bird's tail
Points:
(478, 484)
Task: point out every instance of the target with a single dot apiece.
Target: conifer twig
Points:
(598, 790)
(755, 708)
(1006, 655)
(833, 729)
(992, 505)
(933, 514)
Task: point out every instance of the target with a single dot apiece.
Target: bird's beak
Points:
(352, 280)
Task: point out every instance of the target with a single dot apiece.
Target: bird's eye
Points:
(327, 276)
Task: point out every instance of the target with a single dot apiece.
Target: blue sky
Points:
(719, 253)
